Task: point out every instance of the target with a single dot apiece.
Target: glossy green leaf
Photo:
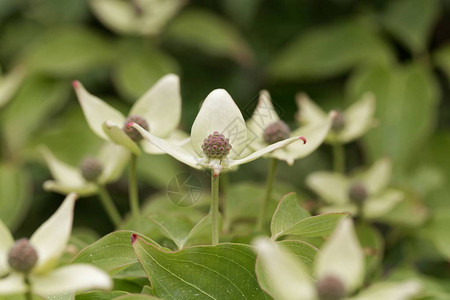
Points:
(287, 214)
(68, 51)
(176, 228)
(411, 21)
(139, 69)
(225, 271)
(329, 51)
(407, 101)
(100, 295)
(112, 253)
(37, 100)
(316, 226)
(209, 33)
(15, 194)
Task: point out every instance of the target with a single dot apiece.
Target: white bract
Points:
(355, 121)
(219, 114)
(265, 115)
(341, 258)
(49, 241)
(145, 17)
(160, 106)
(67, 178)
(334, 188)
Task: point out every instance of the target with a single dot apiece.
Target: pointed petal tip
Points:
(333, 114)
(130, 124)
(134, 237)
(303, 139)
(75, 84)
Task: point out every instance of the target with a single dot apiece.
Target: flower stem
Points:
(214, 210)
(109, 206)
(28, 293)
(339, 157)
(269, 184)
(134, 200)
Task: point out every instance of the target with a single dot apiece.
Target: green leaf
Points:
(15, 194)
(241, 200)
(68, 52)
(225, 271)
(287, 214)
(305, 252)
(411, 21)
(37, 100)
(407, 99)
(136, 297)
(10, 84)
(316, 226)
(372, 244)
(210, 34)
(139, 69)
(112, 253)
(100, 295)
(437, 231)
(441, 58)
(330, 51)
(176, 228)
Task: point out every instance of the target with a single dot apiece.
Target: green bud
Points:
(91, 168)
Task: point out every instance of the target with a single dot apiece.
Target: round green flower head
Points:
(216, 146)
(330, 288)
(22, 257)
(130, 131)
(91, 168)
(276, 131)
(338, 122)
(357, 192)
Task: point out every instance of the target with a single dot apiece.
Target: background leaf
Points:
(411, 21)
(15, 194)
(329, 51)
(407, 101)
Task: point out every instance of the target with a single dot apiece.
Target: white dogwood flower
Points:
(36, 261)
(158, 110)
(218, 138)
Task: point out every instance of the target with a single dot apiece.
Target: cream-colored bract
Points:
(359, 117)
(145, 17)
(160, 106)
(68, 179)
(333, 188)
(49, 241)
(265, 114)
(341, 257)
(218, 113)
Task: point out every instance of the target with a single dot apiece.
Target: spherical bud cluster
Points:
(216, 146)
(276, 131)
(91, 168)
(357, 192)
(338, 122)
(130, 131)
(330, 288)
(22, 257)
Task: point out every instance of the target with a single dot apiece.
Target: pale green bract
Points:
(10, 84)
(49, 241)
(358, 118)
(218, 113)
(69, 179)
(265, 114)
(160, 106)
(333, 188)
(341, 257)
